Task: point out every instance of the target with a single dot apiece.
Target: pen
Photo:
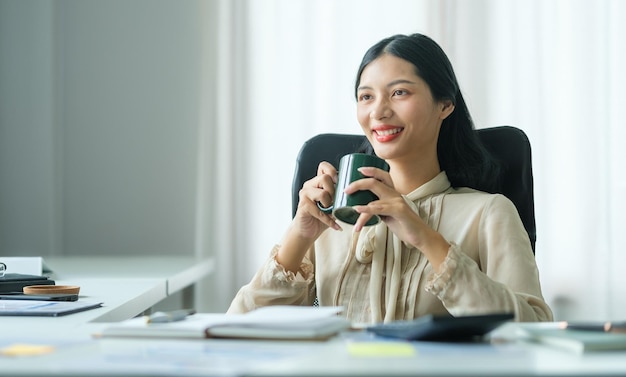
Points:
(173, 316)
(598, 326)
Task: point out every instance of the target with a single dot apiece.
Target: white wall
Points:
(27, 130)
(99, 119)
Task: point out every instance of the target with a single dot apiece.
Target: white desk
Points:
(127, 286)
(502, 358)
(128, 290)
(149, 357)
(178, 272)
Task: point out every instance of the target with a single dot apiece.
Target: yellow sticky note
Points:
(26, 350)
(381, 349)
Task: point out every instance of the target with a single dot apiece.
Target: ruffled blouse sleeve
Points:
(273, 285)
(502, 276)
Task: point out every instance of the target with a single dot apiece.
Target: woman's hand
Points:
(309, 220)
(390, 206)
(397, 214)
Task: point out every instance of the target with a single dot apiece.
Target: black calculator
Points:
(442, 328)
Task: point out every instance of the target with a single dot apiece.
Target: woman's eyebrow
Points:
(392, 83)
(400, 81)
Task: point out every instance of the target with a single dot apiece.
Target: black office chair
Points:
(508, 144)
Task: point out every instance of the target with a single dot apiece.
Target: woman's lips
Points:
(385, 134)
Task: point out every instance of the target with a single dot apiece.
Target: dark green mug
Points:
(348, 172)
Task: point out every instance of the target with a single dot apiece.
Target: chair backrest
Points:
(509, 145)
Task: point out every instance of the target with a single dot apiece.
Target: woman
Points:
(442, 247)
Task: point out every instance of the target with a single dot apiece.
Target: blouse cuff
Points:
(304, 274)
(438, 282)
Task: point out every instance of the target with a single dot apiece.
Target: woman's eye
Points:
(399, 92)
(365, 97)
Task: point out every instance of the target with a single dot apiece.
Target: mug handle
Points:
(325, 209)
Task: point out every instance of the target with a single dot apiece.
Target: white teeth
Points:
(389, 132)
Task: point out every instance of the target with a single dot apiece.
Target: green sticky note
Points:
(381, 349)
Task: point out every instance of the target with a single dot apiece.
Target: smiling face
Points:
(398, 113)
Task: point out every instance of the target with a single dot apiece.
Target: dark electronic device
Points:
(442, 328)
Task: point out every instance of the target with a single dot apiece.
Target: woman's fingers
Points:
(377, 181)
(379, 188)
(362, 220)
(378, 174)
(307, 207)
(326, 168)
(319, 189)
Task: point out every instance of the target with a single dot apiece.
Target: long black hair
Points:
(459, 150)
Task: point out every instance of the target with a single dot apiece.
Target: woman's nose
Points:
(381, 110)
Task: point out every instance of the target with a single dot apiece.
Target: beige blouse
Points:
(376, 277)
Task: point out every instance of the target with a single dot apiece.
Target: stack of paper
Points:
(272, 322)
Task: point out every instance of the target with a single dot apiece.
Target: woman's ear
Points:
(447, 107)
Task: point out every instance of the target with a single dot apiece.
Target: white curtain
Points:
(285, 72)
(553, 68)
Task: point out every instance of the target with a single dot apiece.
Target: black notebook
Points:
(443, 328)
(13, 282)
